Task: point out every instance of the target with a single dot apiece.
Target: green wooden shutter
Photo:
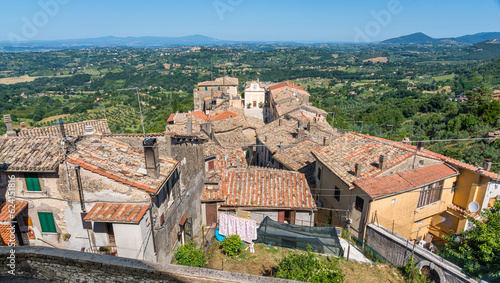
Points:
(47, 222)
(32, 182)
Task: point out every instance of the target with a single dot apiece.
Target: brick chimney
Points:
(8, 124)
(487, 165)
(382, 162)
(152, 157)
(189, 125)
(61, 129)
(357, 170)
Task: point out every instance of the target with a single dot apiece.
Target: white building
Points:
(254, 94)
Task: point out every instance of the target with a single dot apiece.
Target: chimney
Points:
(325, 141)
(190, 125)
(308, 126)
(152, 157)
(382, 162)
(280, 149)
(8, 123)
(300, 135)
(487, 165)
(238, 163)
(23, 125)
(61, 129)
(357, 171)
(265, 139)
(280, 122)
(420, 145)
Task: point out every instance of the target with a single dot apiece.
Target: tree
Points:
(478, 250)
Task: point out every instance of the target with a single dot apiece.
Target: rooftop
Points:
(5, 210)
(72, 129)
(224, 81)
(257, 187)
(232, 138)
(404, 181)
(117, 213)
(299, 158)
(32, 154)
(224, 158)
(120, 162)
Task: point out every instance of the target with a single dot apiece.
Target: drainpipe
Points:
(80, 190)
(152, 225)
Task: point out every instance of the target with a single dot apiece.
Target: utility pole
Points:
(140, 108)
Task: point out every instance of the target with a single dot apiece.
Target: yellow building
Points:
(418, 194)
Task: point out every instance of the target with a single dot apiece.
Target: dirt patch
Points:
(377, 60)
(15, 80)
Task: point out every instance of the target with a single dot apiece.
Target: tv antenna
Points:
(140, 108)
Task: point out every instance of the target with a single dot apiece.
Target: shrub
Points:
(189, 255)
(411, 272)
(308, 267)
(232, 245)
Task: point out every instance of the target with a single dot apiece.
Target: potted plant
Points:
(66, 237)
(249, 105)
(261, 104)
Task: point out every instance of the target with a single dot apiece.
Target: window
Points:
(206, 88)
(337, 193)
(430, 194)
(359, 204)
(218, 88)
(32, 182)
(319, 174)
(47, 222)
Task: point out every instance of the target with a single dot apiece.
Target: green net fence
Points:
(321, 239)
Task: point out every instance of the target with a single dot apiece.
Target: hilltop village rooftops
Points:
(224, 81)
(91, 127)
(286, 132)
(257, 187)
(235, 137)
(404, 181)
(117, 213)
(121, 163)
(30, 154)
(242, 122)
(299, 158)
(222, 158)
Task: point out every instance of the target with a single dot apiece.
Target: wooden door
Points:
(281, 216)
(111, 234)
(211, 210)
(255, 104)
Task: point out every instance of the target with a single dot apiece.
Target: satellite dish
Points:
(473, 207)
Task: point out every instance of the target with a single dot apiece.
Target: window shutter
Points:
(47, 222)
(32, 182)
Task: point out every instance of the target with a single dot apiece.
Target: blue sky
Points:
(276, 20)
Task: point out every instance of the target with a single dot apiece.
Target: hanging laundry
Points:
(230, 225)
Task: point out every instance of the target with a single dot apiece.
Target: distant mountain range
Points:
(112, 41)
(421, 38)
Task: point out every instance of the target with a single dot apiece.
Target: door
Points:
(281, 216)
(211, 210)
(254, 103)
(290, 217)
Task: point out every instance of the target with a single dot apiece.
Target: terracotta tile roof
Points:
(463, 211)
(5, 233)
(299, 158)
(240, 121)
(120, 162)
(233, 138)
(287, 133)
(226, 107)
(30, 154)
(257, 187)
(431, 154)
(341, 156)
(198, 114)
(6, 215)
(225, 158)
(225, 81)
(171, 118)
(117, 213)
(223, 116)
(72, 129)
(285, 84)
(212, 193)
(404, 181)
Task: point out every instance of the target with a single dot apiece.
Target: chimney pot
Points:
(8, 123)
(487, 165)
(382, 162)
(152, 157)
(357, 171)
(420, 145)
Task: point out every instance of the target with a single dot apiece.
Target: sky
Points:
(247, 20)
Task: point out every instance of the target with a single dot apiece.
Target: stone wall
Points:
(394, 248)
(55, 265)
